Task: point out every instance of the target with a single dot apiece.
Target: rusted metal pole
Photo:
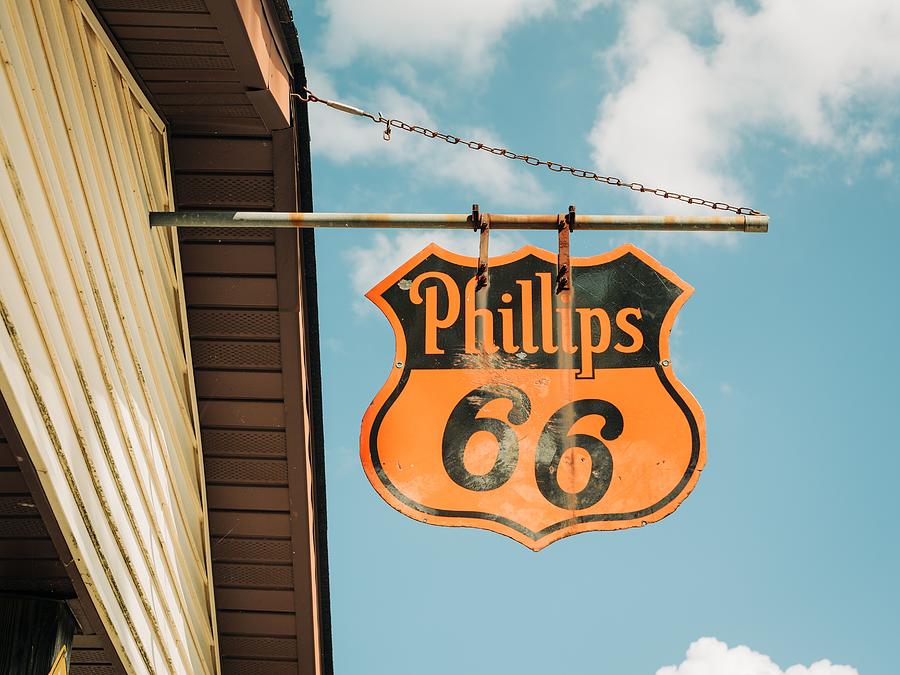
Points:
(455, 221)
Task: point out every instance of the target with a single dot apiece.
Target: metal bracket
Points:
(455, 221)
(565, 225)
(481, 223)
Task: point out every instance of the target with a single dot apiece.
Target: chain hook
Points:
(386, 134)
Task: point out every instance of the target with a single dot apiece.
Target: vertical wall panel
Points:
(93, 354)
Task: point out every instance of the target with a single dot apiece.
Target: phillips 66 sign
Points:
(528, 412)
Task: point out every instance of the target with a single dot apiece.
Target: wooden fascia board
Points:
(253, 40)
(299, 448)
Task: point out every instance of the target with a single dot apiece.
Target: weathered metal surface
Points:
(563, 266)
(482, 223)
(533, 413)
(458, 221)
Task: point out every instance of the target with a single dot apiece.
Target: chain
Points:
(390, 123)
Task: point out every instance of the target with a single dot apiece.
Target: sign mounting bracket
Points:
(563, 267)
(482, 223)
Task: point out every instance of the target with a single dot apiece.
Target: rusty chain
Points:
(390, 123)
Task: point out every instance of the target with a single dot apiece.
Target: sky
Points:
(783, 560)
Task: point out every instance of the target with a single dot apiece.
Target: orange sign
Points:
(528, 412)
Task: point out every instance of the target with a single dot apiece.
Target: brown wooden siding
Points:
(236, 342)
(30, 560)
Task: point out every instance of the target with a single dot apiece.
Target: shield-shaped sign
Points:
(528, 412)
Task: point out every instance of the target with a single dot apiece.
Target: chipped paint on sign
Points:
(528, 412)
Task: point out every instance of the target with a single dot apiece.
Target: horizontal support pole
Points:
(455, 221)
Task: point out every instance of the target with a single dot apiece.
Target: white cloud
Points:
(581, 7)
(343, 138)
(456, 33)
(708, 656)
(462, 35)
(371, 263)
(826, 75)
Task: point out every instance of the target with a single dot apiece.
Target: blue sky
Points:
(789, 544)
